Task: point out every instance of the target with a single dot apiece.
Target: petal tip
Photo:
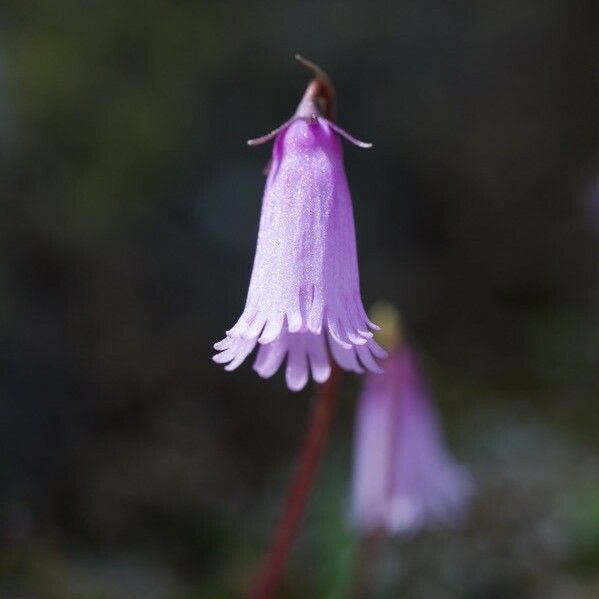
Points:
(296, 385)
(322, 376)
(263, 374)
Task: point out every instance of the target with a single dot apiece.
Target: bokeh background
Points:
(130, 464)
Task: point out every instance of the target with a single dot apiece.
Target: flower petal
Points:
(272, 329)
(367, 360)
(296, 374)
(337, 332)
(270, 357)
(319, 360)
(346, 358)
(244, 349)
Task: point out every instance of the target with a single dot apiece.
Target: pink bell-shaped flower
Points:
(404, 478)
(304, 299)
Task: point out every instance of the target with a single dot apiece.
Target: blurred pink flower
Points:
(404, 478)
(304, 289)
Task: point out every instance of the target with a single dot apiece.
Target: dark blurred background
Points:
(130, 464)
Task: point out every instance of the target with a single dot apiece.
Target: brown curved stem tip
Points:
(326, 90)
(299, 490)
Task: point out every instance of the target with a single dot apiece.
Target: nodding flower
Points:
(304, 300)
(404, 478)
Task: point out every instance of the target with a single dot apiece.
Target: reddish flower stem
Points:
(299, 490)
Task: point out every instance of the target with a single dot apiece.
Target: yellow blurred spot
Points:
(387, 316)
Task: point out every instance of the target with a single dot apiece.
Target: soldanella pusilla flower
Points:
(304, 300)
(404, 478)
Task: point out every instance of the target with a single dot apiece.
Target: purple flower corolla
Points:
(304, 296)
(404, 478)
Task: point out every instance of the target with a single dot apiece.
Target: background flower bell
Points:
(304, 296)
(404, 478)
